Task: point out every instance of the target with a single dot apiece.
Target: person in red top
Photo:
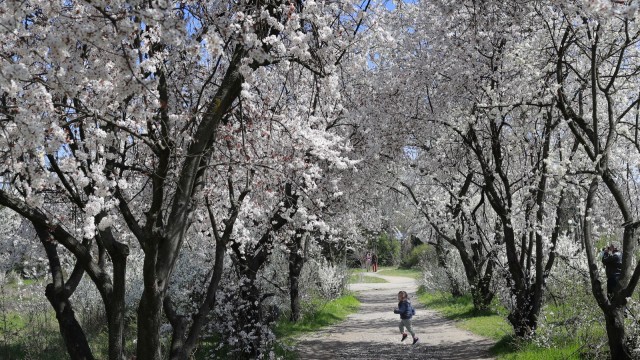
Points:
(374, 262)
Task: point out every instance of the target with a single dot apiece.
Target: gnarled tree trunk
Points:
(58, 295)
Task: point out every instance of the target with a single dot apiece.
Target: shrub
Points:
(387, 248)
(416, 257)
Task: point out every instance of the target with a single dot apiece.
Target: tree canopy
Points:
(178, 155)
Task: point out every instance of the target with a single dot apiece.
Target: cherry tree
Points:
(477, 83)
(456, 210)
(595, 51)
(119, 110)
(278, 180)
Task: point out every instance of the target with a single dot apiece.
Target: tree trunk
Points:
(249, 320)
(296, 262)
(113, 294)
(115, 307)
(294, 274)
(481, 293)
(150, 310)
(614, 320)
(149, 322)
(58, 296)
(523, 317)
(480, 285)
(199, 320)
(178, 349)
(482, 298)
(441, 252)
(71, 331)
(456, 288)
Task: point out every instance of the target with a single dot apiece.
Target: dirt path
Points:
(372, 332)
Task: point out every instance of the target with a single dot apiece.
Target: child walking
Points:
(406, 312)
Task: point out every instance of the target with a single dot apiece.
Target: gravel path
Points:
(372, 332)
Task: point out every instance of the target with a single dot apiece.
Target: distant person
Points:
(367, 260)
(406, 312)
(612, 260)
(374, 262)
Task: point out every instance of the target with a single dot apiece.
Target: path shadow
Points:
(364, 350)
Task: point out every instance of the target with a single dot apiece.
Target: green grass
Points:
(12, 322)
(28, 282)
(18, 283)
(508, 349)
(19, 345)
(361, 278)
(488, 323)
(326, 314)
(30, 336)
(323, 314)
(493, 324)
(392, 271)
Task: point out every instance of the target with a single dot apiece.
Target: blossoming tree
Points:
(114, 115)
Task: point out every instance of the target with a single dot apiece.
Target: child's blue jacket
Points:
(405, 310)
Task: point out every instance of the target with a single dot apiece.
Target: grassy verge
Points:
(493, 324)
(328, 313)
(325, 314)
(361, 278)
(392, 271)
(489, 324)
(506, 349)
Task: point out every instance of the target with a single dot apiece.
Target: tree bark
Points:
(296, 262)
(115, 306)
(70, 329)
(114, 293)
(162, 243)
(614, 320)
(207, 305)
(249, 265)
(480, 284)
(150, 309)
(482, 297)
(481, 293)
(58, 296)
(522, 318)
(441, 252)
(149, 322)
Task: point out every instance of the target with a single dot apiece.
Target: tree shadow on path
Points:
(362, 350)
